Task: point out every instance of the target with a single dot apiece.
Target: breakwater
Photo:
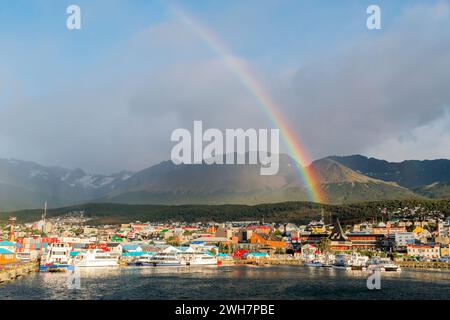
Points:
(423, 264)
(16, 271)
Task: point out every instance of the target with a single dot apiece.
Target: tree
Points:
(278, 233)
(324, 245)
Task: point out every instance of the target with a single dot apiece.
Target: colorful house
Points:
(7, 256)
(8, 245)
(424, 251)
(267, 240)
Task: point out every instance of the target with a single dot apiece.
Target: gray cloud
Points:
(383, 87)
(385, 95)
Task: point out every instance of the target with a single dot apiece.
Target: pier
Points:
(424, 265)
(17, 271)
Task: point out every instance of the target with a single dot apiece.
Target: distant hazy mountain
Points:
(343, 179)
(25, 184)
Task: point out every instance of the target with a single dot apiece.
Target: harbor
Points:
(228, 282)
(69, 247)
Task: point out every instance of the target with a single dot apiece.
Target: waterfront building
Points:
(7, 256)
(224, 232)
(339, 241)
(308, 237)
(308, 250)
(401, 239)
(443, 230)
(421, 234)
(267, 240)
(444, 250)
(8, 245)
(259, 229)
(424, 251)
(256, 255)
(364, 240)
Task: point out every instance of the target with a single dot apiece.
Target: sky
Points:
(107, 97)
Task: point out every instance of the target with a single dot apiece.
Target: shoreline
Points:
(16, 272)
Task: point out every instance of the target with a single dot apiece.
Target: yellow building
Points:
(445, 250)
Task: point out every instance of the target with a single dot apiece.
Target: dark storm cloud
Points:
(385, 94)
(383, 87)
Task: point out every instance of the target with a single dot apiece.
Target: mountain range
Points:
(343, 179)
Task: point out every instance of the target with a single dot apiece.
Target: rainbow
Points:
(245, 75)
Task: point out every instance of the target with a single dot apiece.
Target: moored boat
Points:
(314, 263)
(57, 258)
(96, 258)
(358, 262)
(342, 262)
(198, 259)
(166, 260)
(383, 264)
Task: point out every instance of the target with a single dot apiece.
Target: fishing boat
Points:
(342, 262)
(57, 258)
(314, 263)
(328, 260)
(358, 262)
(96, 258)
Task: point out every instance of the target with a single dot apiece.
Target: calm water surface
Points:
(233, 282)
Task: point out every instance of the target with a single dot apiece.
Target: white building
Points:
(401, 239)
(424, 251)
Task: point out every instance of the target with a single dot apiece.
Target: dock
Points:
(424, 265)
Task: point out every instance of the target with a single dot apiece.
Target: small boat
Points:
(358, 262)
(342, 262)
(313, 264)
(383, 264)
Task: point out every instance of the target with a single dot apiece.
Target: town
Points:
(410, 239)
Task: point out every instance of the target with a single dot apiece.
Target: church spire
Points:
(338, 234)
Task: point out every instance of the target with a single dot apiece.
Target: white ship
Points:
(96, 258)
(57, 258)
(166, 260)
(198, 259)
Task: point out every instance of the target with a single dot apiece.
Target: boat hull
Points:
(167, 264)
(313, 264)
(341, 267)
(95, 264)
(56, 268)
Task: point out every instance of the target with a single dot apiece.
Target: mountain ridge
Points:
(343, 179)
